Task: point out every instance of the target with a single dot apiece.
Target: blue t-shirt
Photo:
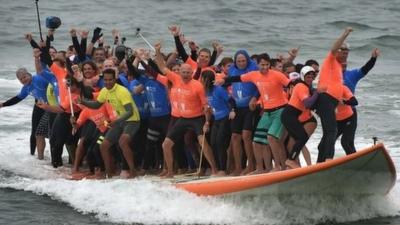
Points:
(218, 99)
(242, 92)
(351, 78)
(37, 88)
(157, 97)
(50, 78)
(140, 100)
(124, 80)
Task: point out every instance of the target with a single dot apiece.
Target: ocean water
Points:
(31, 191)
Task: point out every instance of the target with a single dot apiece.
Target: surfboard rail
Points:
(368, 171)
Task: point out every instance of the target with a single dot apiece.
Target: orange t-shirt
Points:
(189, 97)
(65, 103)
(163, 80)
(300, 92)
(195, 65)
(331, 76)
(270, 87)
(344, 111)
(60, 74)
(172, 94)
(98, 116)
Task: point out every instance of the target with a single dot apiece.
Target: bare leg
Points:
(105, 154)
(78, 155)
(236, 149)
(248, 146)
(258, 153)
(310, 128)
(277, 152)
(168, 157)
(208, 154)
(267, 156)
(124, 141)
(40, 145)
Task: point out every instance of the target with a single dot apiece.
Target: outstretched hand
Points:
(72, 32)
(28, 37)
(348, 30)
(175, 30)
(157, 46)
(84, 34)
(36, 53)
(375, 53)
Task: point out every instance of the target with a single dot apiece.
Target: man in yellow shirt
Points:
(124, 127)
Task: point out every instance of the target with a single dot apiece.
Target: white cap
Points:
(294, 76)
(305, 70)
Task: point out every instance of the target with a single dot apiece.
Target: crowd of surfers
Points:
(132, 111)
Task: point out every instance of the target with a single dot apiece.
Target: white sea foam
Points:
(150, 202)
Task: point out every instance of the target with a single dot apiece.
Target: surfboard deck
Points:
(367, 172)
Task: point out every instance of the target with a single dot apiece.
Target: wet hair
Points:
(274, 62)
(264, 56)
(254, 57)
(208, 78)
(52, 47)
(109, 71)
(205, 50)
(298, 67)
(92, 64)
(172, 64)
(287, 65)
(311, 62)
(64, 53)
(100, 49)
(22, 71)
(225, 61)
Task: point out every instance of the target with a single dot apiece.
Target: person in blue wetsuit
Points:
(36, 86)
(223, 109)
(351, 77)
(348, 126)
(242, 124)
(138, 94)
(155, 90)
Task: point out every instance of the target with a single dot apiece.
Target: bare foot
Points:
(97, 176)
(292, 164)
(124, 174)
(220, 173)
(168, 175)
(235, 173)
(247, 170)
(276, 169)
(163, 173)
(256, 172)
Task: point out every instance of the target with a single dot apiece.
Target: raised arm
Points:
(96, 36)
(371, 62)
(77, 46)
(340, 40)
(175, 30)
(160, 59)
(218, 49)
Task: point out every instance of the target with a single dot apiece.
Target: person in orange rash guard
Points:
(93, 124)
(331, 82)
(270, 85)
(297, 113)
(192, 103)
(204, 60)
(347, 120)
(61, 129)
